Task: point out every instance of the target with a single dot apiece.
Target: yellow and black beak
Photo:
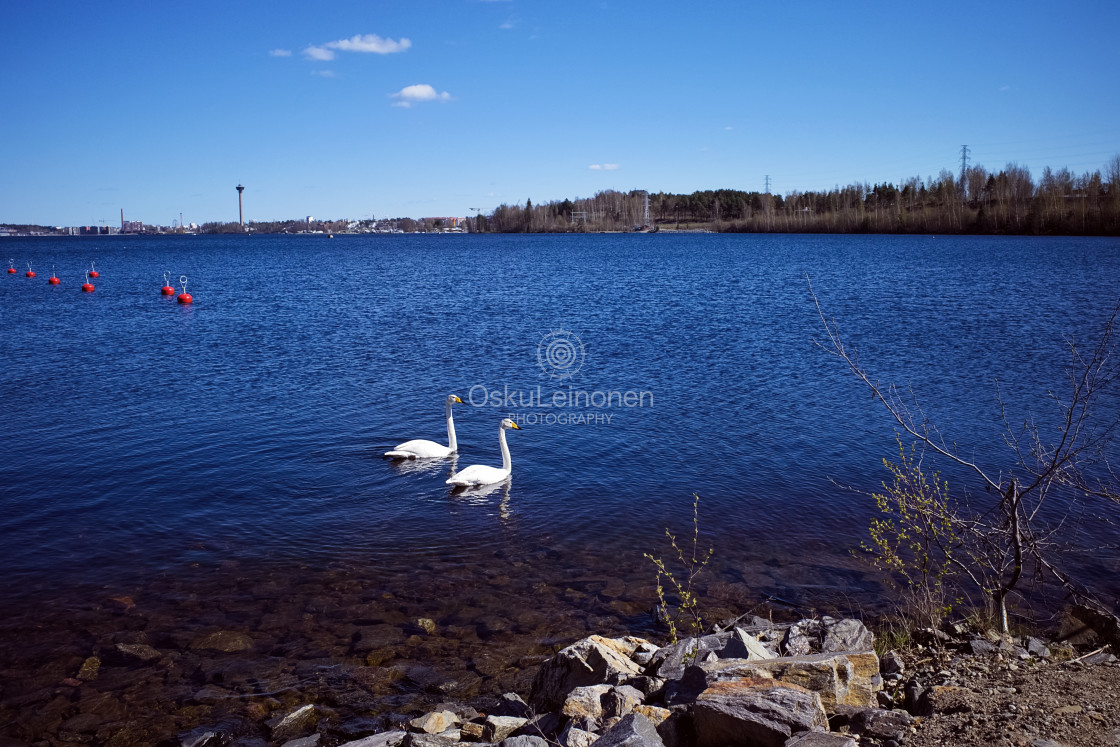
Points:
(515, 425)
(457, 399)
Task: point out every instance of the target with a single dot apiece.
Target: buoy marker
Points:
(11, 267)
(184, 297)
(30, 273)
(87, 286)
(54, 278)
(167, 290)
(93, 273)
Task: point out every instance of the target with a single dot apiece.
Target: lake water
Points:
(172, 470)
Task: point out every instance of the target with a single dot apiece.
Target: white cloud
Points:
(603, 167)
(279, 53)
(729, 128)
(1005, 88)
(418, 93)
(320, 54)
(369, 43)
(323, 73)
(508, 25)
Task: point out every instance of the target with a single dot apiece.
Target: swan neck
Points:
(451, 442)
(506, 463)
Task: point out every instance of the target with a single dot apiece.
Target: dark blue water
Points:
(140, 434)
(169, 471)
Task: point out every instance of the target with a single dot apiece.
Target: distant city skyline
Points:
(358, 110)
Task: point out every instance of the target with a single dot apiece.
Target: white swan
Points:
(481, 474)
(421, 449)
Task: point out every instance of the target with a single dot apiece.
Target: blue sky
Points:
(352, 109)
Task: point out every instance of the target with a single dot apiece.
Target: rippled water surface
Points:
(232, 449)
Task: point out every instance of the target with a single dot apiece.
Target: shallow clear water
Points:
(167, 451)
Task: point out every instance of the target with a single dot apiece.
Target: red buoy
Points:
(11, 271)
(29, 274)
(11, 267)
(54, 280)
(93, 273)
(167, 290)
(87, 286)
(184, 297)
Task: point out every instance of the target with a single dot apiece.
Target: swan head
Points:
(507, 424)
(453, 398)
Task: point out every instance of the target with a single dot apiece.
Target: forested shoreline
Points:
(975, 201)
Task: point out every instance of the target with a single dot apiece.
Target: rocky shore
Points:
(812, 683)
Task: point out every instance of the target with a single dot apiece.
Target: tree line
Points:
(974, 201)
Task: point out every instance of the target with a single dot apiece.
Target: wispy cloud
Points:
(279, 53)
(417, 94)
(603, 167)
(509, 25)
(1005, 88)
(319, 54)
(369, 43)
(728, 128)
(323, 73)
(366, 43)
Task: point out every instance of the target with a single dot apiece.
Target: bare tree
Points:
(1018, 533)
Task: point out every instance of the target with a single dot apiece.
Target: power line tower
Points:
(964, 170)
(767, 190)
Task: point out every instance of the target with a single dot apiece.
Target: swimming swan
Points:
(421, 449)
(480, 474)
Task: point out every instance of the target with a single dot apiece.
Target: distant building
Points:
(449, 222)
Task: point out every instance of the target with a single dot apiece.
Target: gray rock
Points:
(585, 702)
(523, 741)
(1102, 657)
(645, 684)
(846, 635)
(575, 737)
(310, 741)
(420, 739)
(546, 725)
(203, 737)
(511, 704)
(891, 663)
(591, 661)
(981, 647)
(820, 739)
(670, 661)
(838, 678)
(743, 645)
(754, 712)
(620, 701)
(434, 723)
(385, 739)
(298, 723)
(875, 723)
(634, 730)
(1038, 648)
(497, 728)
(932, 637)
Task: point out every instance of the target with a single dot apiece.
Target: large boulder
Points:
(827, 635)
(592, 661)
(754, 713)
(634, 730)
(840, 679)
